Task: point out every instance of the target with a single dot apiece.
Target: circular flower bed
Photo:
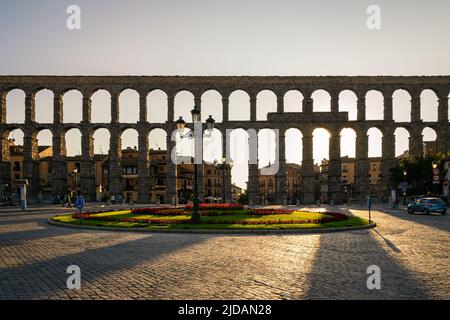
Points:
(214, 217)
(211, 210)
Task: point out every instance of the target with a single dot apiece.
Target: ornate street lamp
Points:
(75, 172)
(181, 124)
(405, 173)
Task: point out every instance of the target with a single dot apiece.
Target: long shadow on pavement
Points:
(339, 269)
(41, 279)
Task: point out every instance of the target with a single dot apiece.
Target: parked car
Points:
(428, 205)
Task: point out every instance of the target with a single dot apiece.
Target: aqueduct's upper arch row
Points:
(333, 120)
(171, 85)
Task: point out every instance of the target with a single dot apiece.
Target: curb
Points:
(206, 231)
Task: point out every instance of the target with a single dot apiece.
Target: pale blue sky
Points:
(212, 37)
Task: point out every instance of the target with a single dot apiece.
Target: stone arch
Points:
(101, 106)
(211, 101)
(375, 136)
(321, 137)
(348, 142)
(45, 146)
(212, 146)
(129, 106)
(44, 138)
(157, 106)
(44, 105)
(239, 105)
(429, 104)
(266, 147)
(101, 137)
(72, 106)
(401, 106)
(348, 103)
(183, 104)
(293, 101)
(266, 101)
(16, 134)
(157, 139)
(402, 137)
(429, 134)
(294, 145)
(73, 142)
(15, 106)
(239, 153)
(130, 139)
(374, 105)
(321, 101)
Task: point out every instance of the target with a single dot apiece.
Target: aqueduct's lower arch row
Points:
(306, 121)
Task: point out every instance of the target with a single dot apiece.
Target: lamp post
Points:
(435, 176)
(223, 167)
(75, 173)
(405, 173)
(181, 124)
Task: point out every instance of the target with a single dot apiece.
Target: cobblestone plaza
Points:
(411, 251)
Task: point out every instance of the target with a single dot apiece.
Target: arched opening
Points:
(348, 143)
(101, 141)
(266, 101)
(429, 141)
(374, 105)
(212, 146)
(321, 101)
(184, 103)
(185, 146)
(239, 105)
(239, 153)
(429, 105)
(294, 146)
(401, 142)
(157, 106)
(293, 101)
(44, 106)
(130, 139)
(101, 107)
(15, 137)
(129, 106)
(266, 147)
(375, 142)
(212, 105)
(73, 142)
(15, 155)
(15, 106)
(348, 103)
(401, 106)
(45, 145)
(72, 106)
(321, 145)
(157, 139)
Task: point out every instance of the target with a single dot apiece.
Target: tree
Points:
(419, 173)
(243, 197)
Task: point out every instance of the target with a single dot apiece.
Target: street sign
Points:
(80, 202)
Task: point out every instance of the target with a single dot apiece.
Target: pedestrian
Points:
(397, 201)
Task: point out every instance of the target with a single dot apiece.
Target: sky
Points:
(213, 37)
